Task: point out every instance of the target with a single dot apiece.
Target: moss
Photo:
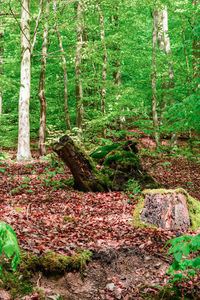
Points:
(16, 284)
(101, 152)
(193, 207)
(136, 215)
(53, 263)
(69, 219)
(50, 264)
(122, 157)
(30, 263)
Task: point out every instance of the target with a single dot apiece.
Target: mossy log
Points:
(86, 177)
(120, 164)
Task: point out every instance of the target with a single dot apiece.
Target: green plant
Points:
(133, 188)
(2, 157)
(185, 250)
(8, 246)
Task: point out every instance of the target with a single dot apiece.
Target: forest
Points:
(99, 149)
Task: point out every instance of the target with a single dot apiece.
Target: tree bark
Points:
(78, 81)
(42, 98)
(24, 152)
(174, 136)
(86, 177)
(196, 48)
(1, 61)
(67, 119)
(154, 78)
(105, 58)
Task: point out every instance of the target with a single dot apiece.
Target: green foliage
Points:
(185, 251)
(9, 246)
(133, 188)
(2, 169)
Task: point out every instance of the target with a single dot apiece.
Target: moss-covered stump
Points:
(123, 164)
(86, 177)
(173, 210)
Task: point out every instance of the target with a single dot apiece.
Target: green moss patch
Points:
(52, 263)
(193, 208)
(101, 152)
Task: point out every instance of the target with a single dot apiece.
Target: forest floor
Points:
(127, 262)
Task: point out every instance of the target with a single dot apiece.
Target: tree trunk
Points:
(1, 61)
(79, 89)
(24, 152)
(196, 48)
(186, 55)
(154, 78)
(86, 177)
(67, 119)
(171, 72)
(43, 104)
(105, 58)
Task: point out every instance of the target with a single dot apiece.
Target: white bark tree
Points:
(23, 152)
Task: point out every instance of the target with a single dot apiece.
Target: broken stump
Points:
(166, 209)
(86, 177)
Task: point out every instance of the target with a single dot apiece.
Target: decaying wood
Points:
(166, 209)
(86, 177)
(120, 163)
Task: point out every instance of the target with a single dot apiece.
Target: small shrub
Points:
(8, 246)
(185, 250)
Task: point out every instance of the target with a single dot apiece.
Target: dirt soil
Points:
(127, 262)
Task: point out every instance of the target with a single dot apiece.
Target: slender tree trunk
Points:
(67, 119)
(79, 89)
(43, 103)
(186, 55)
(105, 58)
(170, 70)
(196, 48)
(24, 152)
(1, 62)
(154, 78)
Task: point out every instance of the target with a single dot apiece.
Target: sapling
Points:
(8, 246)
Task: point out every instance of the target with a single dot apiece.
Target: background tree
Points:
(23, 151)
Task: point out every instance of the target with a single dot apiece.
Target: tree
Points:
(79, 44)
(67, 118)
(23, 152)
(154, 75)
(1, 61)
(41, 94)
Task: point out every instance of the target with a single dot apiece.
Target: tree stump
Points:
(166, 209)
(86, 177)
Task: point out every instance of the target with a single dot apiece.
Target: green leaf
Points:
(178, 256)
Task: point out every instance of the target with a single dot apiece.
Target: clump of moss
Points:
(101, 152)
(53, 263)
(30, 264)
(193, 207)
(17, 284)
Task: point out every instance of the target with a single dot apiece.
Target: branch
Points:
(36, 26)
